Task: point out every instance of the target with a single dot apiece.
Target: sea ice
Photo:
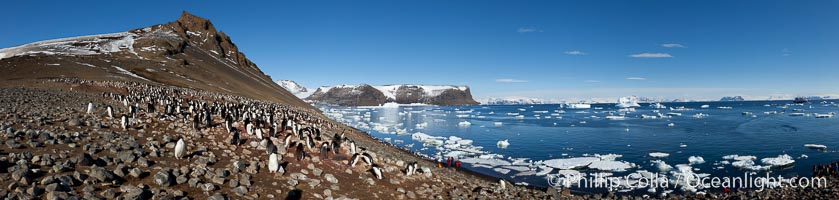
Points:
(815, 146)
(780, 161)
(464, 123)
(503, 144)
(696, 160)
(610, 165)
(659, 155)
(570, 163)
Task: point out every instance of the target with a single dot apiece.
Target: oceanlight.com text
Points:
(689, 182)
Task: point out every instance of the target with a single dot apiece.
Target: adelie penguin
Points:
(110, 111)
(354, 159)
(324, 150)
(273, 163)
(89, 108)
(377, 171)
(124, 122)
(300, 153)
(180, 149)
(235, 140)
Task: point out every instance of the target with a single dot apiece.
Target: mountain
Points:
(734, 98)
(188, 52)
(367, 95)
(296, 89)
(514, 101)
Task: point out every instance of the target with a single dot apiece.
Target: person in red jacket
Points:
(449, 162)
(457, 164)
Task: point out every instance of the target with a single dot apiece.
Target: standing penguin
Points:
(409, 170)
(236, 135)
(352, 147)
(124, 122)
(324, 150)
(180, 149)
(300, 153)
(287, 141)
(273, 163)
(270, 147)
(90, 108)
(110, 111)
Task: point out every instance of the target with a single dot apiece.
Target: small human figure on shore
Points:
(457, 164)
(449, 162)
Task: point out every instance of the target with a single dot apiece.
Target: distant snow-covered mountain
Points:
(296, 89)
(513, 101)
(368, 95)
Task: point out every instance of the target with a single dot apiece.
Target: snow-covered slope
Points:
(513, 101)
(405, 93)
(295, 88)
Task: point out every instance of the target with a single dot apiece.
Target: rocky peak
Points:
(201, 33)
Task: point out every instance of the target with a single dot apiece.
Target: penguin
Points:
(124, 122)
(367, 158)
(270, 148)
(352, 147)
(377, 171)
(300, 153)
(415, 167)
(324, 150)
(180, 149)
(90, 107)
(249, 128)
(236, 137)
(110, 111)
(287, 141)
(354, 159)
(273, 163)
(259, 133)
(309, 142)
(410, 170)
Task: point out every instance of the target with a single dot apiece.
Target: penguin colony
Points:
(281, 130)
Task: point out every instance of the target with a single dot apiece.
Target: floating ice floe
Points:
(570, 163)
(427, 139)
(659, 155)
(815, 146)
(485, 161)
(696, 160)
(780, 161)
(661, 165)
(610, 165)
(498, 123)
(464, 123)
(503, 144)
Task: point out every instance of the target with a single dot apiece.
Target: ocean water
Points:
(537, 133)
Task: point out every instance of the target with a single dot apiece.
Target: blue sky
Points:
(545, 49)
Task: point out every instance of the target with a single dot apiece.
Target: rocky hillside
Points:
(189, 53)
(367, 95)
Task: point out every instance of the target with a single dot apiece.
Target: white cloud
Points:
(636, 78)
(786, 52)
(592, 81)
(575, 52)
(508, 80)
(528, 30)
(673, 45)
(651, 55)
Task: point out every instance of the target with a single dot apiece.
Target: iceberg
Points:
(628, 102)
(464, 123)
(503, 144)
(696, 160)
